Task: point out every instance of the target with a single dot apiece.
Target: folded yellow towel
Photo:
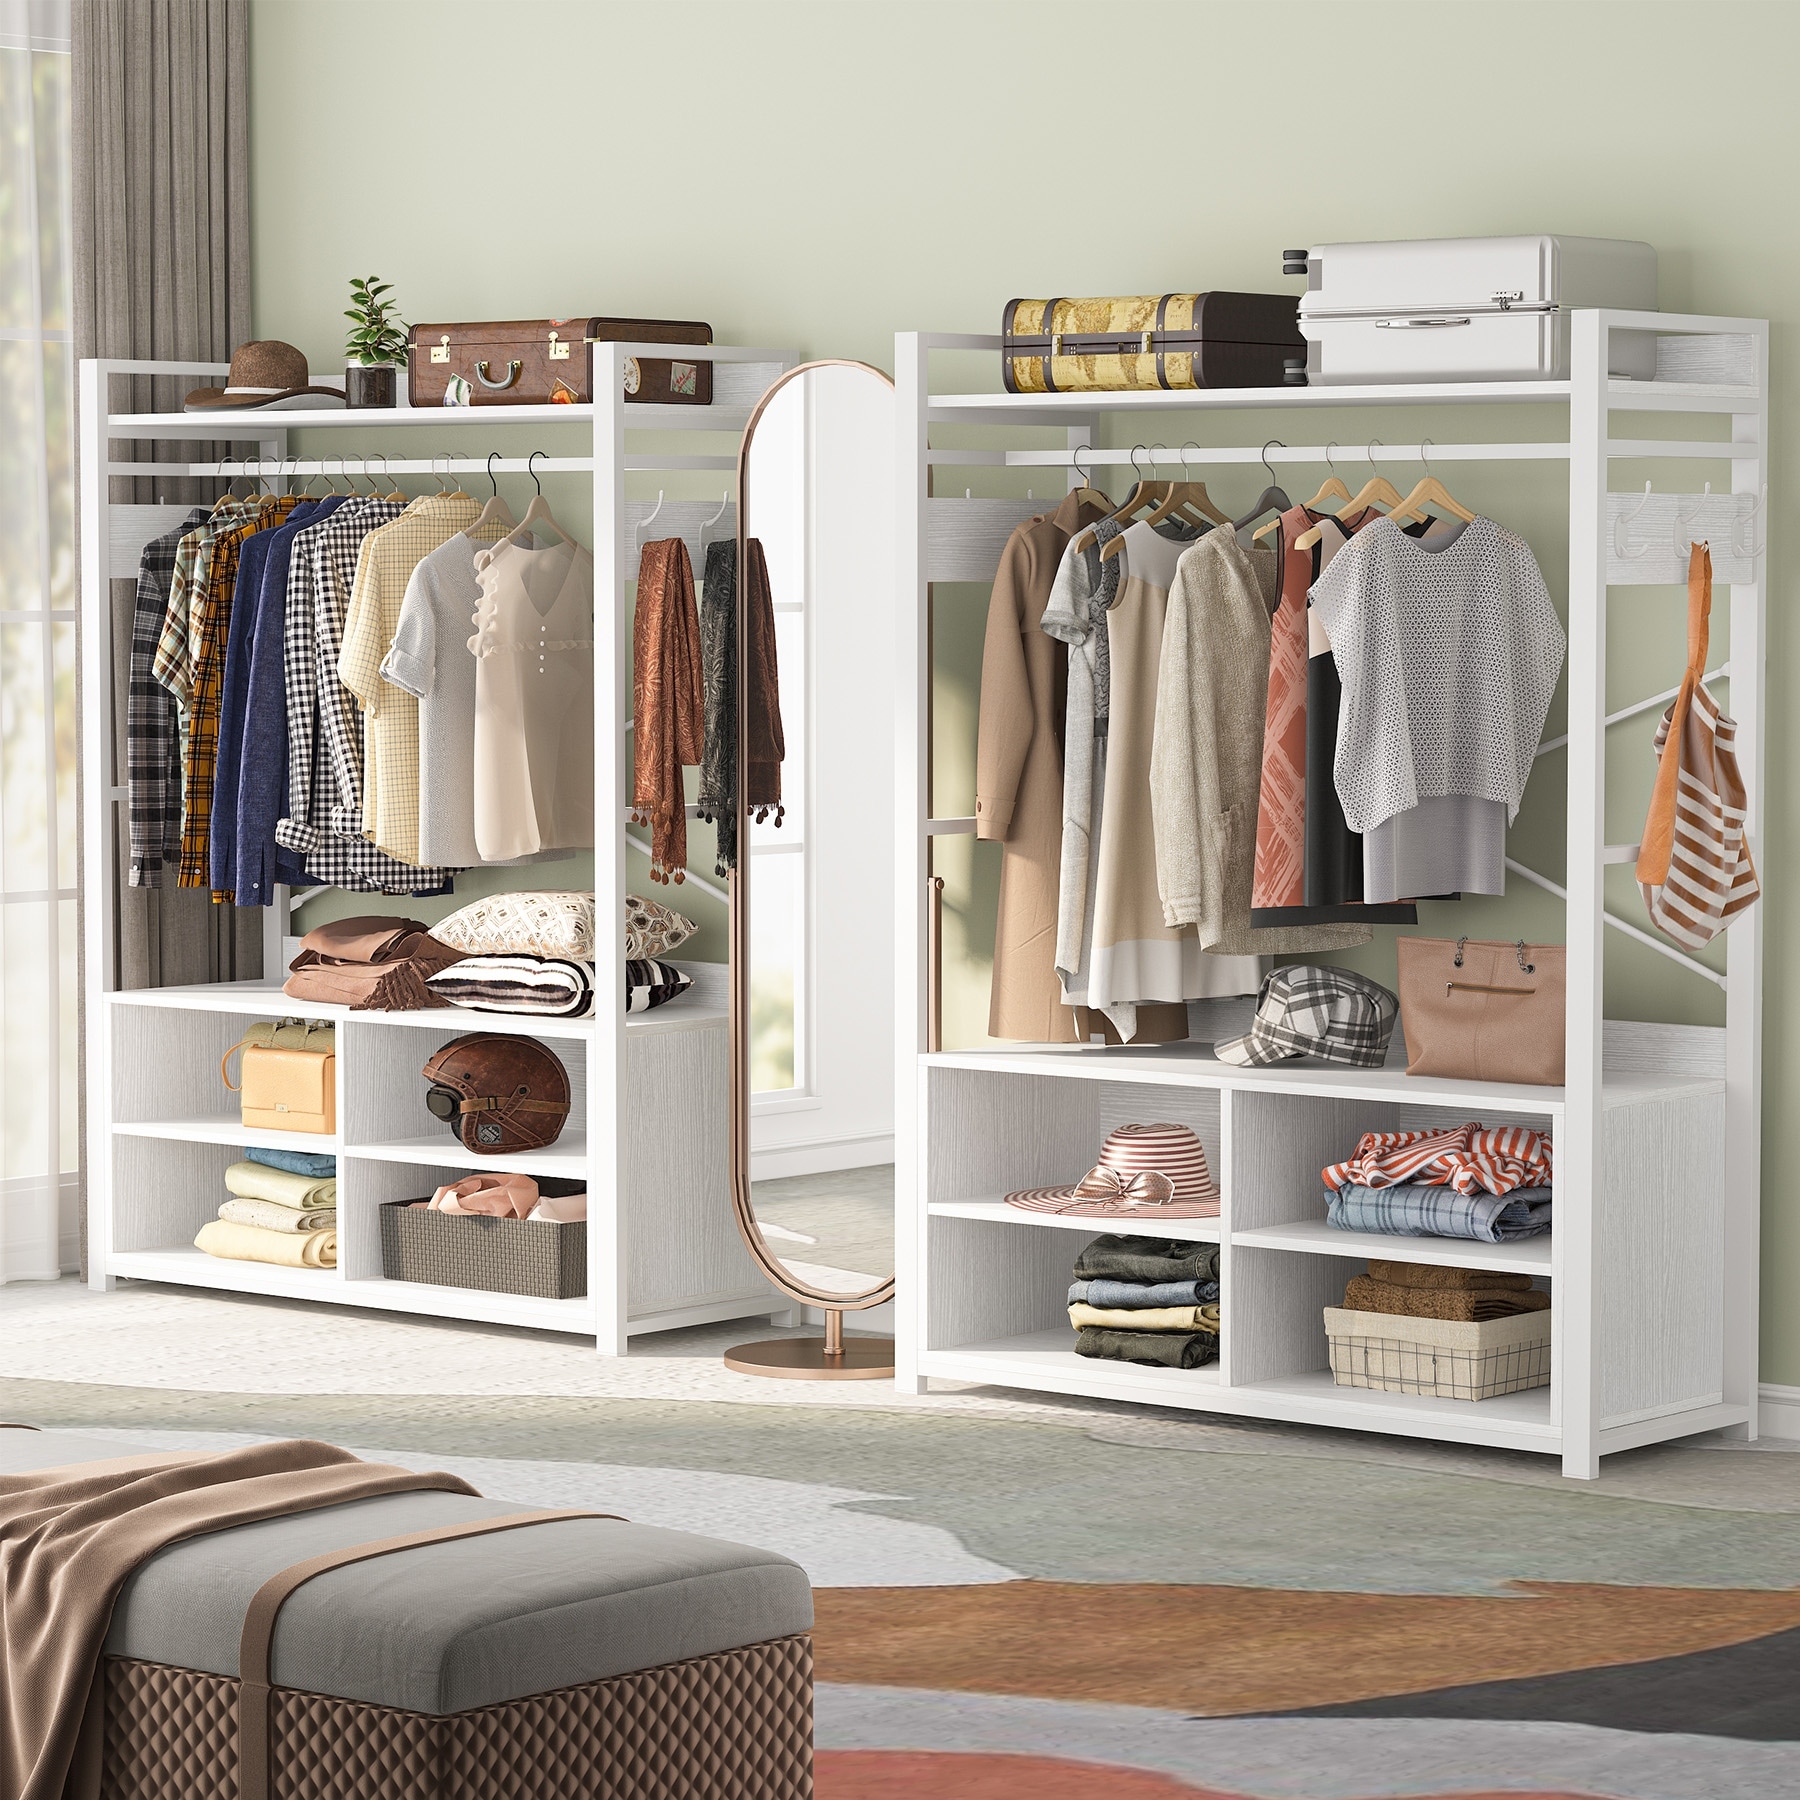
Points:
(273, 1217)
(256, 1243)
(1147, 1318)
(257, 1181)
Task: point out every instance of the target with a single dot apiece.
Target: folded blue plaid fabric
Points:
(1419, 1211)
(1142, 1294)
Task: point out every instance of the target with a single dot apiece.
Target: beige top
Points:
(384, 565)
(534, 700)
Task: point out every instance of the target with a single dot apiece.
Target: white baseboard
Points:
(820, 1155)
(1778, 1411)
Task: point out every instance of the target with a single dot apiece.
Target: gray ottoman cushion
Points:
(450, 1626)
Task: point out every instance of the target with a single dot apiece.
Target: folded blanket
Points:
(1142, 1293)
(369, 965)
(1147, 1318)
(273, 1217)
(1166, 1349)
(70, 1538)
(550, 985)
(1115, 1257)
(1440, 1212)
(257, 1181)
(1423, 1275)
(1365, 1294)
(296, 1162)
(255, 1243)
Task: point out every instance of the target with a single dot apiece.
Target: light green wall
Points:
(823, 175)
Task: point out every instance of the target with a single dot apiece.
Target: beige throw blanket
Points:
(257, 1181)
(257, 1243)
(69, 1538)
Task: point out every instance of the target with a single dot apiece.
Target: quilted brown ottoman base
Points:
(735, 1726)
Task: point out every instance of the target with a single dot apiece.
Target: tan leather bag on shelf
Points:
(1483, 1012)
(289, 1076)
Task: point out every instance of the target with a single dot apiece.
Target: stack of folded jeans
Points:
(1147, 1300)
(282, 1210)
(1493, 1185)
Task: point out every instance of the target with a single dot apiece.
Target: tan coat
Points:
(1018, 777)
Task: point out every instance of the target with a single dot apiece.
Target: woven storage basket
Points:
(1442, 1357)
(499, 1256)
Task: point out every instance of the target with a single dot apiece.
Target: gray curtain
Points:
(161, 214)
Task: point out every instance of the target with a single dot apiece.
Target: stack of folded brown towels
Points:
(1147, 1300)
(1420, 1291)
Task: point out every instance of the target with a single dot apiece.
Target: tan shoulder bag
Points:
(289, 1075)
(1483, 1012)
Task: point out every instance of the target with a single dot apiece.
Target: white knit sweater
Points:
(1448, 659)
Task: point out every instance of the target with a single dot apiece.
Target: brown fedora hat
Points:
(263, 375)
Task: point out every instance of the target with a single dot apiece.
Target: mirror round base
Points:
(806, 1359)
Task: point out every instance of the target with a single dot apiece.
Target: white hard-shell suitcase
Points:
(1466, 309)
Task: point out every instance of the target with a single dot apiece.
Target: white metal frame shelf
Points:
(650, 1121)
(982, 1283)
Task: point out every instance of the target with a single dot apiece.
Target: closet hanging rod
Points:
(1721, 673)
(1251, 453)
(233, 466)
(1692, 964)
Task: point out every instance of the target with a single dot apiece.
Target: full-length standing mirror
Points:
(812, 927)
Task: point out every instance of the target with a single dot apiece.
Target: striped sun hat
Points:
(1145, 1171)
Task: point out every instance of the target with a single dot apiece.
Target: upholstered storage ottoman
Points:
(575, 1659)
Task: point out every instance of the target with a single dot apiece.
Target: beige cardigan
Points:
(1212, 690)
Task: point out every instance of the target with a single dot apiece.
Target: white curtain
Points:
(39, 1072)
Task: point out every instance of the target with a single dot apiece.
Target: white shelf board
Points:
(253, 427)
(1522, 1418)
(997, 1212)
(1194, 1065)
(228, 1129)
(567, 1156)
(194, 1268)
(1527, 1256)
(248, 997)
(1047, 1360)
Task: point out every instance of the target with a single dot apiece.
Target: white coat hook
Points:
(707, 524)
(1622, 530)
(1741, 532)
(1681, 532)
(648, 520)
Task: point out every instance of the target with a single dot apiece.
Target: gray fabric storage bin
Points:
(500, 1256)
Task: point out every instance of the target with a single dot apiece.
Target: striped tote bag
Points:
(1694, 867)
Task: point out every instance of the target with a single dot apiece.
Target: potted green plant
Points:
(376, 346)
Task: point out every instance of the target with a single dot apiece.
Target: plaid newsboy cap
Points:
(1309, 1010)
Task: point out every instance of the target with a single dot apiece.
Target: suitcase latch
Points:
(559, 349)
(1056, 343)
(1504, 297)
(440, 351)
(1145, 345)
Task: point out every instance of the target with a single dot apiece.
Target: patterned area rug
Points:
(1019, 1599)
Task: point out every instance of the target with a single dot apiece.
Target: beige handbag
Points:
(1483, 1012)
(289, 1075)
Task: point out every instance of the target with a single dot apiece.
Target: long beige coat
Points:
(1018, 777)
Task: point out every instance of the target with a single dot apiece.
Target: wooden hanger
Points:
(1145, 492)
(1329, 489)
(1185, 494)
(1430, 492)
(1087, 494)
(1376, 491)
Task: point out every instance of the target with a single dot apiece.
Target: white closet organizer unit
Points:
(1653, 1259)
(648, 1131)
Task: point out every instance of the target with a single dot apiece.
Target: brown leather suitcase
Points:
(538, 362)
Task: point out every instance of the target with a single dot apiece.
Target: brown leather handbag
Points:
(498, 1094)
(1483, 1012)
(543, 362)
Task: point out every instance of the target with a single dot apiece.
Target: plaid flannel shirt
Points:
(209, 626)
(152, 736)
(320, 570)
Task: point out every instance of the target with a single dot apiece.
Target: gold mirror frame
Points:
(832, 1357)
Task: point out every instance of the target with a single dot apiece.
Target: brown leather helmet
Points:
(498, 1093)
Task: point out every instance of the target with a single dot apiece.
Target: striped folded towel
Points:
(547, 985)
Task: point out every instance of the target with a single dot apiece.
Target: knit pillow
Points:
(652, 929)
(530, 924)
(649, 984)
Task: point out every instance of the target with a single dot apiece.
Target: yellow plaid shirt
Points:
(390, 796)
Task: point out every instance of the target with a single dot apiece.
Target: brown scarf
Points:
(666, 703)
(70, 1537)
(370, 965)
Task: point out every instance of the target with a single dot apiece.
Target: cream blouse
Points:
(534, 700)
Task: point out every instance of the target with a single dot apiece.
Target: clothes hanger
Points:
(454, 492)
(496, 512)
(538, 513)
(1087, 494)
(1430, 492)
(1189, 496)
(1273, 497)
(1329, 489)
(1144, 491)
(393, 492)
(1377, 490)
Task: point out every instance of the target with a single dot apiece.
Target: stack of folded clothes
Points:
(1470, 1182)
(1147, 1300)
(283, 1209)
(1468, 1296)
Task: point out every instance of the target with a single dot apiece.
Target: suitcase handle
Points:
(513, 370)
(1416, 324)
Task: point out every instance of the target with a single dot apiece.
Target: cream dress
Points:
(534, 700)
